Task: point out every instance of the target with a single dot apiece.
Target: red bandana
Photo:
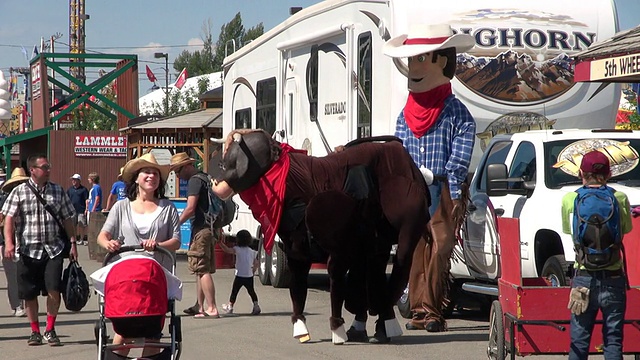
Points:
(422, 109)
(266, 197)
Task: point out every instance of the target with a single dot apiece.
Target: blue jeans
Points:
(607, 294)
(435, 190)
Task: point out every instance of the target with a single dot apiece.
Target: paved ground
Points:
(242, 336)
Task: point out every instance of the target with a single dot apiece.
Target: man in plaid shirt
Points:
(438, 132)
(37, 245)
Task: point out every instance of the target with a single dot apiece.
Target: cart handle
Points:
(128, 248)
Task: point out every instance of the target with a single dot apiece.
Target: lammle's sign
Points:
(114, 146)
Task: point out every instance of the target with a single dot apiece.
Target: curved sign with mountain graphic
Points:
(524, 63)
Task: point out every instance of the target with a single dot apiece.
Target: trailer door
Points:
(332, 92)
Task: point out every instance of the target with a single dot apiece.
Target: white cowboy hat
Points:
(145, 161)
(427, 38)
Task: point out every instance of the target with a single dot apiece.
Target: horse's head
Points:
(248, 155)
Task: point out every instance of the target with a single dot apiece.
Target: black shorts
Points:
(37, 277)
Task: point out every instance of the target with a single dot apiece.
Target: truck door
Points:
(480, 239)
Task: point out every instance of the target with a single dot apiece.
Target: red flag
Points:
(182, 78)
(150, 75)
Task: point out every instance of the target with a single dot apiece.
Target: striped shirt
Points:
(36, 230)
(446, 148)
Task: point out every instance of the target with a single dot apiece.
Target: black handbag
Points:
(61, 231)
(74, 287)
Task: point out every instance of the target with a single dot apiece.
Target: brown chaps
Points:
(428, 282)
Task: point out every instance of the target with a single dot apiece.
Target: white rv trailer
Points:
(320, 78)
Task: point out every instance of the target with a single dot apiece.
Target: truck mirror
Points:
(497, 184)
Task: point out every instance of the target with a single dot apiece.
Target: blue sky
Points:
(135, 26)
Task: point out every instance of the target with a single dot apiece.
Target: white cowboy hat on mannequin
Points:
(422, 39)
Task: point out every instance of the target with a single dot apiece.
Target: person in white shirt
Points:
(246, 265)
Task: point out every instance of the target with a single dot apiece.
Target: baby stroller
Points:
(133, 295)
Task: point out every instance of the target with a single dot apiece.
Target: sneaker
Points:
(35, 339)
(228, 308)
(52, 338)
(20, 312)
(256, 309)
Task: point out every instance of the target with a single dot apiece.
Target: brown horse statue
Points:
(351, 205)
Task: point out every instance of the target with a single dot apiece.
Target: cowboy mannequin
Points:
(438, 132)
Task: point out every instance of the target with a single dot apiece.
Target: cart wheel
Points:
(496, 349)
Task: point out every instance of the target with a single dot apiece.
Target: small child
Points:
(246, 265)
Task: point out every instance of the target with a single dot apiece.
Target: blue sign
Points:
(182, 186)
(185, 228)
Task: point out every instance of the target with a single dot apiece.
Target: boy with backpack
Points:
(601, 216)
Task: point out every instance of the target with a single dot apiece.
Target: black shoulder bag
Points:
(62, 233)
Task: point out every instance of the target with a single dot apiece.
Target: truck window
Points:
(497, 154)
(266, 105)
(524, 162)
(364, 84)
(243, 119)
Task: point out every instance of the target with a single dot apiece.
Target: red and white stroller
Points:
(135, 294)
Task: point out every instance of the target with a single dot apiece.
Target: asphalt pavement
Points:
(243, 336)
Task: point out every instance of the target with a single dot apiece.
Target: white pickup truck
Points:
(525, 175)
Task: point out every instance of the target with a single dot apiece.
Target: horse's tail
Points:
(385, 138)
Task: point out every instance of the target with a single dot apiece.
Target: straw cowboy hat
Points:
(145, 161)
(180, 159)
(18, 176)
(422, 39)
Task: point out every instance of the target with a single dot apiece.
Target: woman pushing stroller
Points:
(145, 218)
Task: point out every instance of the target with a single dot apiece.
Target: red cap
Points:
(595, 162)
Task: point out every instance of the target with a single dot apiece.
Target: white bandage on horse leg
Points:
(392, 327)
(300, 331)
(427, 175)
(339, 336)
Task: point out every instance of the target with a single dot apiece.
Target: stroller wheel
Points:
(100, 328)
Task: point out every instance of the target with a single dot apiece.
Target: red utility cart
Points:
(531, 317)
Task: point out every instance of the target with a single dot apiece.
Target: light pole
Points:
(166, 79)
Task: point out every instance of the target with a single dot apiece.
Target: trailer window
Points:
(364, 84)
(312, 83)
(243, 119)
(266, 105)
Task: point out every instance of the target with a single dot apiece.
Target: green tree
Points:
(86, 117)
(233, 31)
(199, 62)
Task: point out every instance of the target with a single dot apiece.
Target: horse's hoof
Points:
(392, 328)
(304, 339)
(354, 335)
(339, 336)
(380, 338)
(435, 326)
(300, 331)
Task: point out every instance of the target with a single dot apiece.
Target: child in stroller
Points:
(136, 292)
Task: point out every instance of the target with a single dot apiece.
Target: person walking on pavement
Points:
(246, 265)
(117, 192)
(36, 243)
(79, 195)
(201, 255)
(438, 132)
(18, 176)
(94, 203)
